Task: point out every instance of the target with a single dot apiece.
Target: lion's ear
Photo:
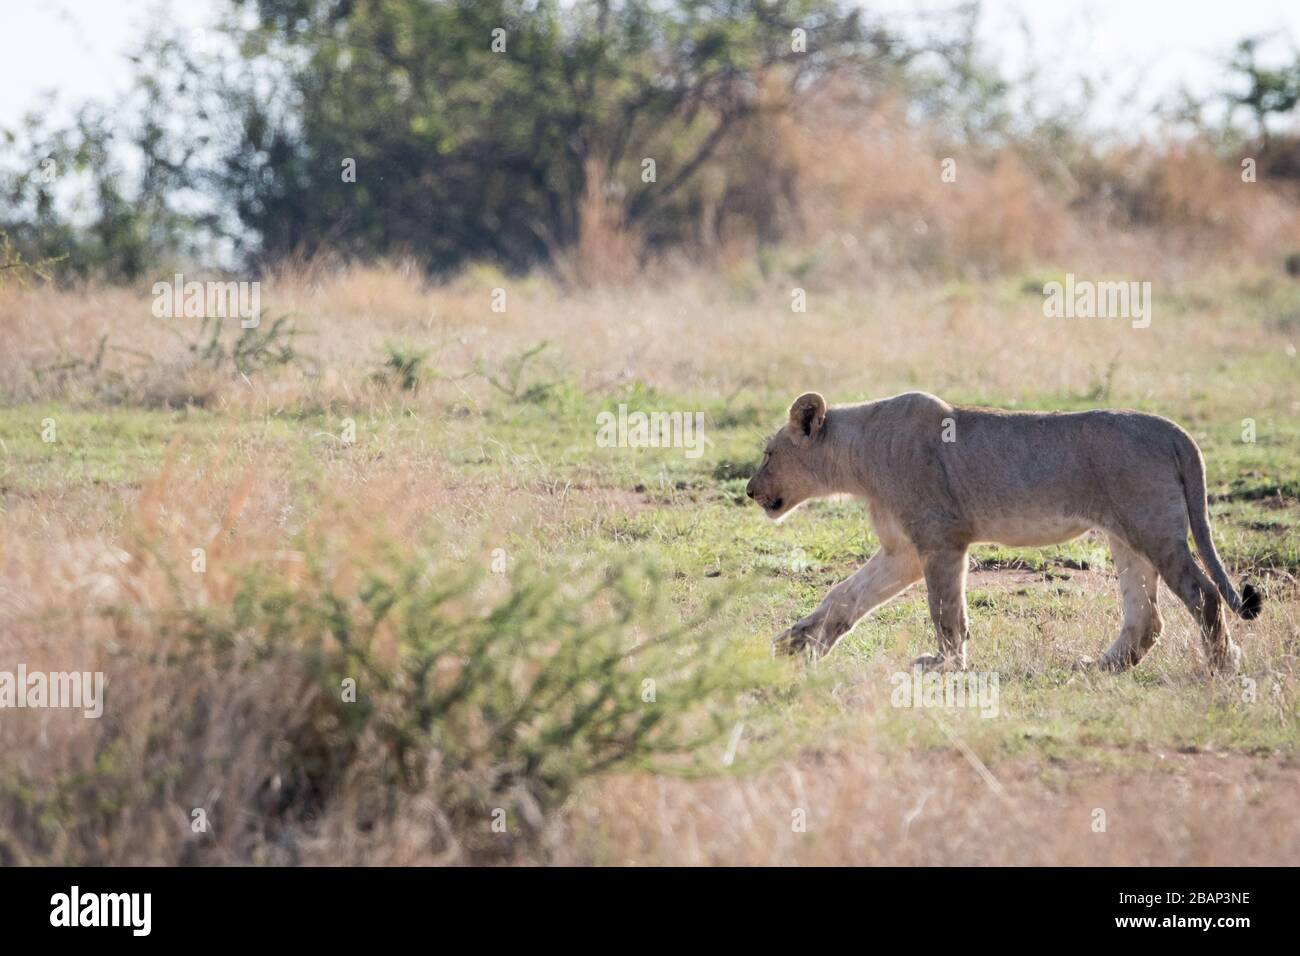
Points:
(807, 415)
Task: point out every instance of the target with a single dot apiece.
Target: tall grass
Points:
(301, 705)
(857, 186)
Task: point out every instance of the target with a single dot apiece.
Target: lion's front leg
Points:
(888, 573)
(945, 582)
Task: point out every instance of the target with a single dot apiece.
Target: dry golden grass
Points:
(937, 810)
(852, 342)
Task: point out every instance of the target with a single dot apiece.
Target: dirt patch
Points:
(1050, 579)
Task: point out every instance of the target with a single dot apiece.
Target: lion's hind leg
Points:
(1139, 583)
(1197, 592)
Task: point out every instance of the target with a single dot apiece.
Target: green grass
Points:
(688, 517)
(119, 447)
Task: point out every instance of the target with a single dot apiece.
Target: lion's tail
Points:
(1191, 469)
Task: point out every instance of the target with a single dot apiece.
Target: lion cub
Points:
(938, 478)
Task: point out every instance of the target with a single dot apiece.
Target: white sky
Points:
(1142, 47)
(77, 48)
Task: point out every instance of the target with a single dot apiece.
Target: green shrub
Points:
(403, 365)
(344, 705)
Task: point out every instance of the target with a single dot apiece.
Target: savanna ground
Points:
(475, 452)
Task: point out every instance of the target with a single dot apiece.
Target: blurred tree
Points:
(470, 143)
(107, 194)
(461, 130)
(103, 232)
(1268, 92)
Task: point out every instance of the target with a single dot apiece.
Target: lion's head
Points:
(790, 473)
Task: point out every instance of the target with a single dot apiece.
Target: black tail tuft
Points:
(1252, 602)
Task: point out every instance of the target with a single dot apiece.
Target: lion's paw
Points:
(1108, 663)
(1229, 662)
(933, 662)
(796, 640)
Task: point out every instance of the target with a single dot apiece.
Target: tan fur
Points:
(938, 478)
